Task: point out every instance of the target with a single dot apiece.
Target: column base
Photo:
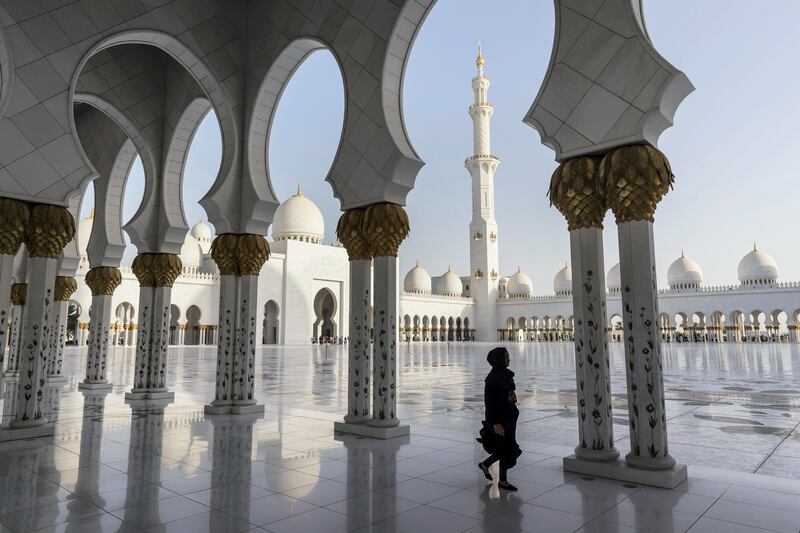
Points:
(135, 395)
(57, 378)
(11, 374)
(361, 419)
(227, 408)
(18, 433)
(365, 430)
(620, 470)
(148, 403)
(596, 456)
(90, 385)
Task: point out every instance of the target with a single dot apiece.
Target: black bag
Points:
(505, 449)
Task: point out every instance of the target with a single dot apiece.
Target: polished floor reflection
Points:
(117, 466)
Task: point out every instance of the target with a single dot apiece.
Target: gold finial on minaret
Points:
(299, 192)
(479, 61)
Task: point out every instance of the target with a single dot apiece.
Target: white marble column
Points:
(6, 272)
(244, 360)
(19, 292)
(223, 391)
(14, 220)
(64, 287)
(595, 426)
(156, 273)
(35, 334)
(359, 346)
(102, 281)
(384, 374)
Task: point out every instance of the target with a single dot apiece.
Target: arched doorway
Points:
(324, 313)
(271, 322)
(193, 325)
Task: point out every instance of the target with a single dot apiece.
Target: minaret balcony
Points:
(481, 156)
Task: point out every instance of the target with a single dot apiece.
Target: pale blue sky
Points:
(731, 149)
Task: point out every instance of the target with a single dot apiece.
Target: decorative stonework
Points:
(50, 229)
(385, 226)
(103, 280)
(65, 287)
(156, 269)
(14, 217)
(635, 179)
(18, 292)
(577, 191)
(240, 254)
(350, 233)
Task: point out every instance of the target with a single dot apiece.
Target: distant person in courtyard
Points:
(499, 431)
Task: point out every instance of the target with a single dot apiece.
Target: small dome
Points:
(562, 283)
(757, 268)
(191, 255)
(519, 285)
(201, 231)
(417, 281)
(684, 273)
(449, 284)
(83, 232)
(298, 218)
(614, 280)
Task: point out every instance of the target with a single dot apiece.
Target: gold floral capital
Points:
(577, 192)
(50, 229)
(14, 218)
(240, 254)
(103, 280)
(18, 293)
(350, 233)
(64, 288)
(636, 177)
(156, 269)
(385, 226)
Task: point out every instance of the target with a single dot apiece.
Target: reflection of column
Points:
(636, 178)
(577, 192)
(102, 281)
(385, 226)
(239, 258)
(50, 229)
(14, 218)
(64, 288)
(18, 293)
(349, 231)
(156, 273)
(91, 447)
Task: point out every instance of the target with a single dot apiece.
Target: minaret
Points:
(483, 228)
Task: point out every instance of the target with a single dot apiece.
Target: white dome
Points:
(191, 255)
(449, 284)
(684, 273)
(417, 281)
(519, 285)
(83, 232)
(562, 283)
(613, 279)
(298, 218)
(201, 231)
(757, 268)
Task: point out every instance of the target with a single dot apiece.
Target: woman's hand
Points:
(498, 429)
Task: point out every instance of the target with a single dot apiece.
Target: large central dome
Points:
(299, 219)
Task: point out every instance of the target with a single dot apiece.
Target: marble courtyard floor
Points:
(733, 416)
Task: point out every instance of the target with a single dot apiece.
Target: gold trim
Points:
(51, 228)
(19, 293)
(385, 226)
(576, 190)
(636, 177)
(14, 218)
(240, 254)
(156, 269)
(349, 231)
(65, 286)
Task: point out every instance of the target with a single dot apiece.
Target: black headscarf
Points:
(497, 357)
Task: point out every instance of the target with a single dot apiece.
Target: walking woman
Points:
(499, 431)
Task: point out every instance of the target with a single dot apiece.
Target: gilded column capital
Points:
(156, 269)
(50, 229)
(14, 219)
(103, 280)
(252, 253)
(65, 287)
(635, 177)
(385, 226)
(224, 253)
(18, 293)
(349, 231)
(577, 191)
(240, 254)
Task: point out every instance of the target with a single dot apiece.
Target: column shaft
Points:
(159, 339)
(58, 339)
(223, 392)
(384, 376)
(595, 426)
(142, 365)
(646, 408)
(99, 335)
(15, 339)
(35, 334)
(359, 346)
(244, 360)
(6, 271)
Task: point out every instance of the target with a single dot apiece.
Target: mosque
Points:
(303, 291)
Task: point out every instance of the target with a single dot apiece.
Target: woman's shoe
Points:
(485, 470)
(507, 486)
